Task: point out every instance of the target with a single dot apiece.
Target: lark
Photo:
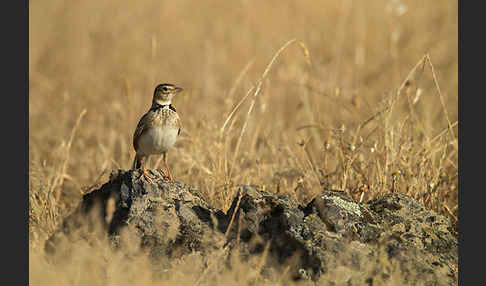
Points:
(158, 129)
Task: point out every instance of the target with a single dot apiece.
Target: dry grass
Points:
(365, 99)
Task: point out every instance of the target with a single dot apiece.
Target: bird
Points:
(158, 129)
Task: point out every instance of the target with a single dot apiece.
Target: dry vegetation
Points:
(364, 99)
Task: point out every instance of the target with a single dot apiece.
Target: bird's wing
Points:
(178, 123)
(142, 126)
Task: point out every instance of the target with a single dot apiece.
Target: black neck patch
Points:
(156, 106)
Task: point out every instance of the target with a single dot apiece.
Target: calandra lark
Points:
(158, 129)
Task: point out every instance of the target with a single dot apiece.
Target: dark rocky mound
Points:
(331, 237)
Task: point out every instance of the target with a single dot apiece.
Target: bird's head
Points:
(164, 93)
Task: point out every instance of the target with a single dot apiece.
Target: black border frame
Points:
(15, 194)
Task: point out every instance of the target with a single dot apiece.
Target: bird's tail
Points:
(137, 161)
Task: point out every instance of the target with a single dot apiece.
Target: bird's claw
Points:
(146, 176)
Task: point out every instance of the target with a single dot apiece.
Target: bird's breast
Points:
(157, 140)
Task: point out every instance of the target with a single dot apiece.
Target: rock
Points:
(331, 239)
(170, 219)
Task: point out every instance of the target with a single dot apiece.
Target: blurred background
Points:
(347, 62)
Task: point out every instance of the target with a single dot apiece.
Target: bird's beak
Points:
(179, 89)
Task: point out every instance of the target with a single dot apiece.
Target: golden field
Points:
(360, 96)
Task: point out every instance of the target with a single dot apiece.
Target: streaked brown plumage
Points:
(158, 129)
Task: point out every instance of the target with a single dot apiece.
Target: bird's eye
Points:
(165, 89)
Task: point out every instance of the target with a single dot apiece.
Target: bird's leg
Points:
(145, 174)
(167, 168)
